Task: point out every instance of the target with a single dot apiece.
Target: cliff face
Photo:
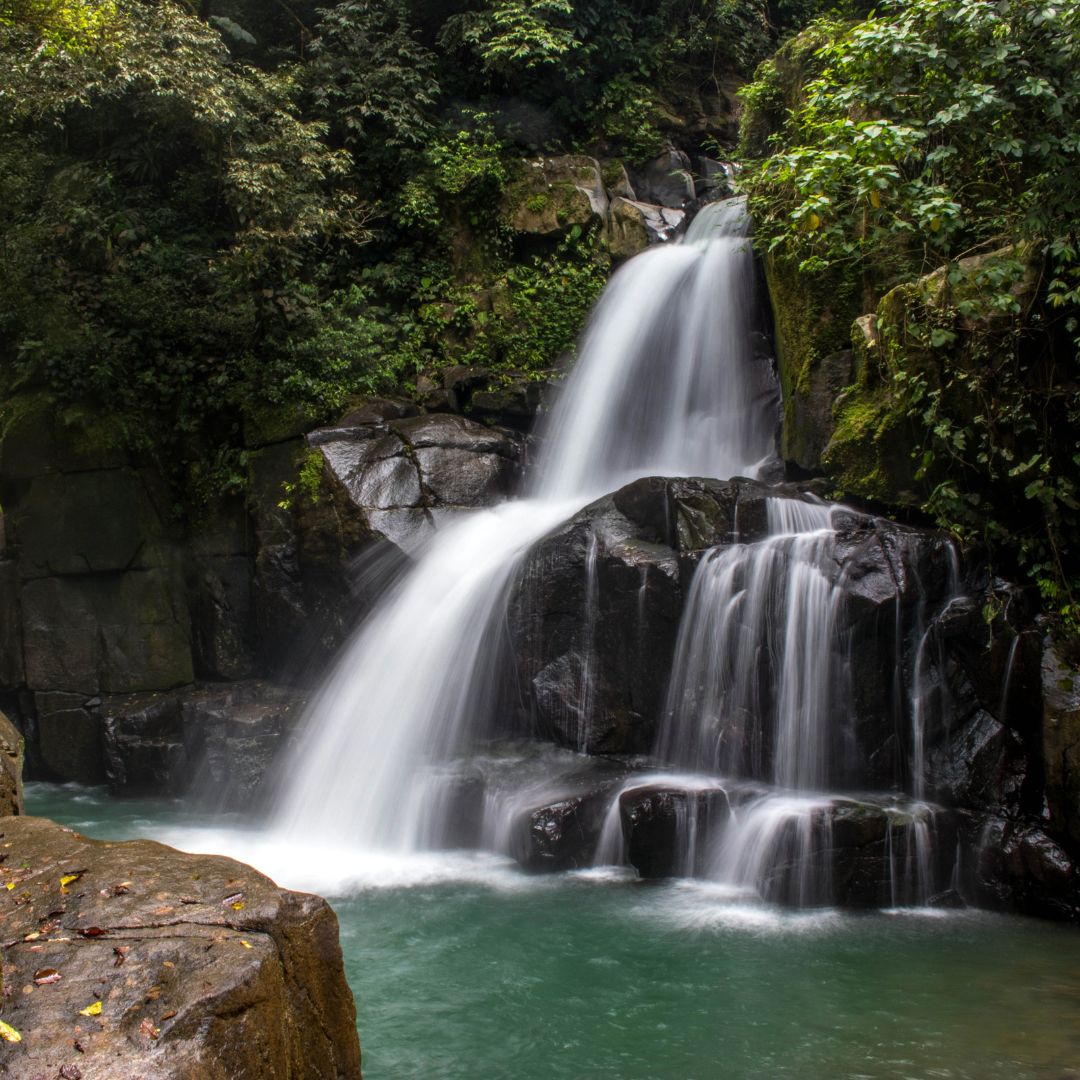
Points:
(134, 959)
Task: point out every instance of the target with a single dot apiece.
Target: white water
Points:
(665, 384)
(755, 656)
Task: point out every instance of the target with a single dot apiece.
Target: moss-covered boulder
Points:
(549, 196)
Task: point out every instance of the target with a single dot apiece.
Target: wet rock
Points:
(170, 965)
(1061, 734)
(669, 831)
(69, 737)
(144, 747)
(563, 834)
(593, 617)
(982, 766)
(665, 180)
(1016, 866)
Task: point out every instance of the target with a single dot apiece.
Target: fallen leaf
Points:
(11, 884)
(92, 931)
(246, 945)
(32, 937)
(147, 1028)
(91, 1010)
(120, 950)
(46, 975)
(8, 1033)
(169, 1015)
(70, 1072)
(237, 907)
(67, 879)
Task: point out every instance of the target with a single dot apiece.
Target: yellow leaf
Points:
(815, 221)
(875, 199)
(91, 1010)
(245, 944)
(237, 907)
(935, 224)
(11, 884)
(69, 879)
(8, 1033)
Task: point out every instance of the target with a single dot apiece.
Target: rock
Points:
(394, 475)
(626, 231)
(1061, 734)
(665, 180)
(814, 398)
(202, 967)
(11, 771)
(52, 524)
(633, 226)
(617, 181)
(553, 194)
(1016, 866)
(668, 831)
(106, 633)
(593, 617)
(11, 638)
(982, 767)
(144, 745)
(69, 738)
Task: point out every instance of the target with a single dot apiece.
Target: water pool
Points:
(463, 967)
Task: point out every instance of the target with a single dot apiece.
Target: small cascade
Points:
(758, 689)
(750, 691)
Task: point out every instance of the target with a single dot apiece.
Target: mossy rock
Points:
(266, 424)
(549, 196)
(813, 314)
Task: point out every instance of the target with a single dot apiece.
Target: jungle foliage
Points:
(947, 134)
(207, 207)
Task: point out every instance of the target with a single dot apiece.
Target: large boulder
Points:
(138, 960)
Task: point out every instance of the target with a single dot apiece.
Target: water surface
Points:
(465, 968)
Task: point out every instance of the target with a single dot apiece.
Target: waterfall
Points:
(665, 384)
(752, 679)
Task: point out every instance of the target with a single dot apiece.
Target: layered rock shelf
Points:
(135, 960)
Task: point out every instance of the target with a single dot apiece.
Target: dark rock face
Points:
(216, 745)
(669, 830)
(562, 835)
(665, 180)
(198, 966)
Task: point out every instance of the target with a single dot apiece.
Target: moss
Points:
(813, 314)
(612, 174)
(538, 202)
(266, 424)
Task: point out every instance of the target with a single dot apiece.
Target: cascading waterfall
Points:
(666, 383)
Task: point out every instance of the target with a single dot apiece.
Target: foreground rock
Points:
(155, 964)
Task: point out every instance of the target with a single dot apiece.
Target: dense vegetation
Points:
(944, 134)
(205, 208)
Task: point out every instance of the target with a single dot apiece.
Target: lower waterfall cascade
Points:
(423, 737)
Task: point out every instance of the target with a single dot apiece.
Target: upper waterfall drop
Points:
(666, 383)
